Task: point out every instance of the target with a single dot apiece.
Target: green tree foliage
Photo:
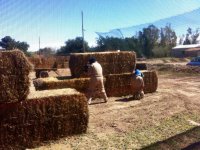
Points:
(188, 39)
(73, 46)
(167, 41)
(168, 36)
(47, 51)
(191, 36)
(148, 39)
(9, 44)
(111, 44)
(150, 42)
(23, 46)
(195, 36)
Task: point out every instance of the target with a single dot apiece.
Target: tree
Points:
(111, 43)
(195, 36)
(73, 46)
(23, 46)
(167, 40)
(148, 39)
(191, 36)
(9, 44)
(168, 36)
(47, 51)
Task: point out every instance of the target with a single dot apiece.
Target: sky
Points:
(56, 21)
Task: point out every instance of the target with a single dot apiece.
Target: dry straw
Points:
(49, 62)
(43, 117)
(14, 80)
(120, 84)
(80, 84)
(112, 62)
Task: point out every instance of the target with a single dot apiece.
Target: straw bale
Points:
(112, 62)
(120, 84)
(80, 84)
(14, 80)
(49, 62)
(26, 124)
(150, 81)
(115, 84)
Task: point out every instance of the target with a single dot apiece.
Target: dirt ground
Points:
(124, 124)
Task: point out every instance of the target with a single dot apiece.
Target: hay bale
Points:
(14, 80)
(120, 84)
(49, 62)
(150, 81)
(80, 84)
(112, 62)
(115, 84)
(41, 118)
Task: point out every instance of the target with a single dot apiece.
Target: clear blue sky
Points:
(56, 21)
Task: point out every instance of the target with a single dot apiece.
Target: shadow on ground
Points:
(189, 140)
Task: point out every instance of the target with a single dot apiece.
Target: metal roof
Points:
(187, 46)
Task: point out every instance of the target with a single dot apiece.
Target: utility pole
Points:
(83, 32)
(39, 46)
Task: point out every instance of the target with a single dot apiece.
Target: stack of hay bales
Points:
(117, 70)
(43, 117)
(111, 62)
(115, 84)
(47, 115)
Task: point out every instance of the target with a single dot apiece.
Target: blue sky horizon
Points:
(58, 21)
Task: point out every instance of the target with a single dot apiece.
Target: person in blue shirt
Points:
(138, 84)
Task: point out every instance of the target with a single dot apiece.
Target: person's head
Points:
(91, 60)
(137, 72)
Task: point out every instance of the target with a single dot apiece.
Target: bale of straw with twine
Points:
(111, 62)
(14, 80)
(47, 115)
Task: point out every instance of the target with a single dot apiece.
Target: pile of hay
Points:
(41, 118)
(120, 84)
(112, 62)
(14, 80)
